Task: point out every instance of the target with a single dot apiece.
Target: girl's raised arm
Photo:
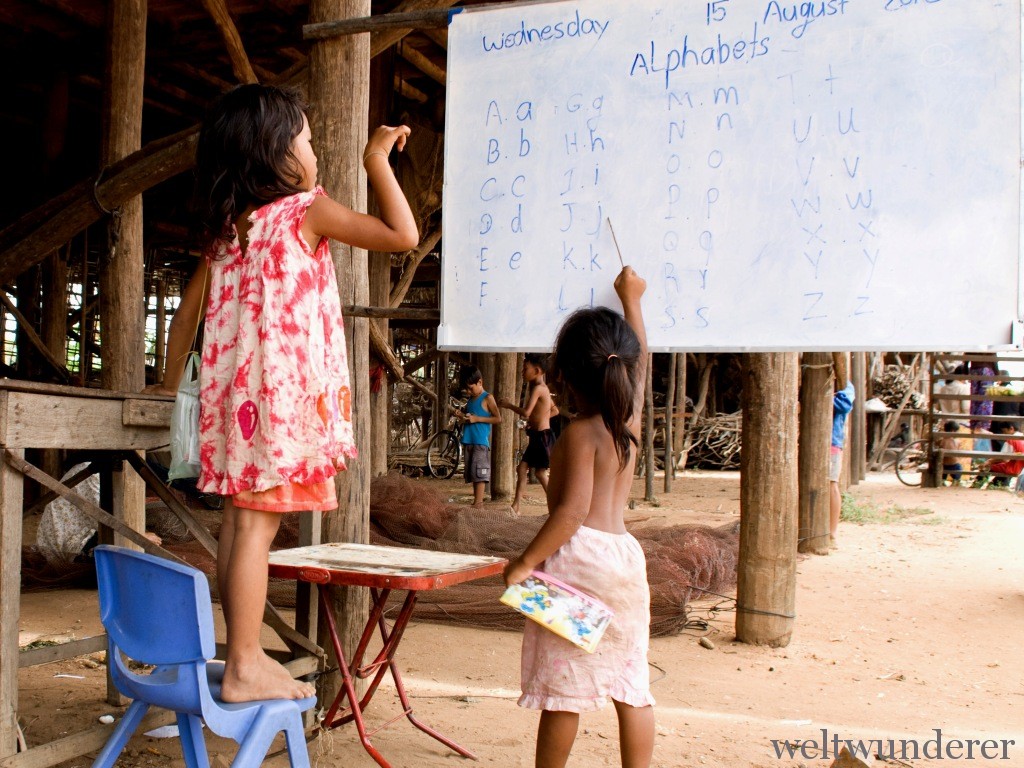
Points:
(630, 287)
(395, 229)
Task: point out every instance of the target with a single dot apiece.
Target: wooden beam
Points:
(34, 338)
(410, 92)
(240, 65)
(380, 347)
(423, 64)
(383, 39)
(384, 21)
(427, 16)
(78, 744)
(94, 511)
(425, 359)
(421, 387)
(409, 266)
(438, 35)
(50, 653)
(32, 237)
(392, 313)
(201, 74)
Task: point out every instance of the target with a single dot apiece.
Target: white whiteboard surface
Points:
(849, 181)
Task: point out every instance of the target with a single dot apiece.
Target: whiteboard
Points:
(838, 174)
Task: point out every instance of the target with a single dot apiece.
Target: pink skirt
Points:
(557, 675)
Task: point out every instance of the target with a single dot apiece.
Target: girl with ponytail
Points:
(599, 366)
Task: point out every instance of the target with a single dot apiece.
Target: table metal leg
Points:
(347, 685)
(382, 663)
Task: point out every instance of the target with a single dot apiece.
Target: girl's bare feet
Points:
(262, 679)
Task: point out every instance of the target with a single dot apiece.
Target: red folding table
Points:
(382, 569)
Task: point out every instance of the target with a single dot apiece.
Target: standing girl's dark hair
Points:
(244, 156)
(596, 356)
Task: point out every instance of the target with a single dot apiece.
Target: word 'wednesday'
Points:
(567, 28)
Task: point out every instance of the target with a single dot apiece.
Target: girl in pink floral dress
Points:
(275, 403)
(599, 363)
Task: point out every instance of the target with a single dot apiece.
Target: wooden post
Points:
(380, 282)
(27, 290)
(503, 474)
(679, 431)
(55, 305)
(813, 457)
(858, 419)
(648, 430)
(55, 328)
(161, 324)
(122, 318)
(670, 404)
(11, 490)
(766, 572)
(84, 328)
(442, 388)
(487, 362)
(339, 92)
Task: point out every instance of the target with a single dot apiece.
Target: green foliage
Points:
(866, 512)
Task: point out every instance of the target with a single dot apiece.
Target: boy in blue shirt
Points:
(479, 413)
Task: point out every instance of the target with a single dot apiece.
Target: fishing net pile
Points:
(683, 561)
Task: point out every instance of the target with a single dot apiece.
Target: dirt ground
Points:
(914, 624)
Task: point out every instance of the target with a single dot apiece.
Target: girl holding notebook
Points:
(599, 365)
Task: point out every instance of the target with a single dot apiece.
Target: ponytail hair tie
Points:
(608, 359)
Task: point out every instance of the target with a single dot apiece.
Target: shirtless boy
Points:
(538, 412)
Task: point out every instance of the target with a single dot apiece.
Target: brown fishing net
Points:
(683, 561)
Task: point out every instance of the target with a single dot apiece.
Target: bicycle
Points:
(444, 451)
(912, 463)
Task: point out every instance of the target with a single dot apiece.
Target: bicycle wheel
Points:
(443, 454)
(912, 463)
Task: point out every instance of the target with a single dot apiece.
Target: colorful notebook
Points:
(569, 613)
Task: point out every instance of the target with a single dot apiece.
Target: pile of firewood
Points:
(715, 441)
(892, 386)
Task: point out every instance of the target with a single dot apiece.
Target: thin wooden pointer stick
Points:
(616, 241)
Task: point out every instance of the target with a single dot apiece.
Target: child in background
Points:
(599, 364)
(951, 467)
(538, 412)
(1005, 470)
(480, 412)
(842, 404)
(275, 404)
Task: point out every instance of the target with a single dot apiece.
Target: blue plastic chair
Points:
(158, 612)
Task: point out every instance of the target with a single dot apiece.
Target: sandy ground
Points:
(911, 625)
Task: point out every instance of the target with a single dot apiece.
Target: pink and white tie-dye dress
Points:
(275, 401)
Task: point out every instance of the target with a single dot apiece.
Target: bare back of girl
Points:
(586, 450)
